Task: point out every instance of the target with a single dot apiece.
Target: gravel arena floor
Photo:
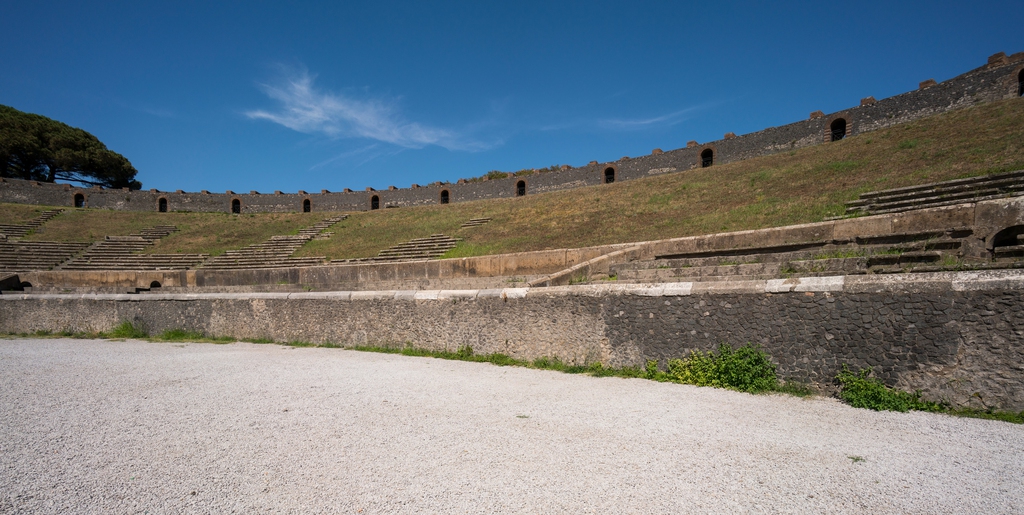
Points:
(93, 426)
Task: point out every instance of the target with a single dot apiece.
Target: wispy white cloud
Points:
(666, 120)
(306, 109)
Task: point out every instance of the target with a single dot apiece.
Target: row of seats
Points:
(946, 193)
(20, 230)
(416, 249)
(125, 253)
(275, 252)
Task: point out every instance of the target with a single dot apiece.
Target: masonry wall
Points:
(994, 81)
(958, 337)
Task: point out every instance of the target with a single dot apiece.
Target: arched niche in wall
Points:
(444, 197)
(374, 202)
(161, 204)
(236, 206)
(307, 206)
(79, 200)
(521, 189)
(1012, 236)
(154, 284)
(837, 129)
(707, 157)
(609, 174)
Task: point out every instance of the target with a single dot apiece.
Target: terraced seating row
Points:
(25, 256)
(473, 222)
(938, 194)
(124, 253)
(275, 252)
(910, 252)
(317, 230)
(413, 250)
(20, 230)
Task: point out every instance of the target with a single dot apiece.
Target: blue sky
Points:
(327, 95)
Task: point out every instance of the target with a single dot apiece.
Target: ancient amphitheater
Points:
(921, 283)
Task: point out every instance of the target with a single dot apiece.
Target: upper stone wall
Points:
(999, 79)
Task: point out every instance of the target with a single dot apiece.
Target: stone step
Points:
(1014, 183)
(952, 183)
(936, 200)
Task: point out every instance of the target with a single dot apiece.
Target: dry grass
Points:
(794, 187)
(197, 232)
(19, 213)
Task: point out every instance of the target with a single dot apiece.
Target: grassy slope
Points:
(19, 213)
(795, 187)
(198, 232)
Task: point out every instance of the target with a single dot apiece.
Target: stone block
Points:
(939, 218)
(851, 228)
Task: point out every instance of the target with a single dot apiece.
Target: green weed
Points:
(127, 329)
(861, 391)
(747, 369)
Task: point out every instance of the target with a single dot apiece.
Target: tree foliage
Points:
(37, 148)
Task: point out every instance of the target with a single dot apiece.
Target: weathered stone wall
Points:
(994, 81)
(958, 337)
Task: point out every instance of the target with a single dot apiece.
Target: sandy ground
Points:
(135, 427)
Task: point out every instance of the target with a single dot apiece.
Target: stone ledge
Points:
(1010, 279)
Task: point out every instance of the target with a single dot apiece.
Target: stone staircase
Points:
(125, 253)
(27, 256)
(318, 231)
(474, 222)
(20, 230)
(897, 253)
(275, 252)
(413, 250)
(938, 194)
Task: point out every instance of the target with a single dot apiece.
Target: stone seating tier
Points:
(908, 252)
(413, 250)
(474, 222)
(938, 194)
(20, 230)
(24, 256)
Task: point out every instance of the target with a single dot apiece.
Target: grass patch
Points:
(126, 329)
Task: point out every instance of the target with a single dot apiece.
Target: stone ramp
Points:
(275, 252)
(937, 194)
(20, 230)
(416, 249)
(125, 253)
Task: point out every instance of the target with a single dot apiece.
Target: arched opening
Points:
(1008, 242)
(375, 202)
(306, 206)
(25, 284)
(1020, 84)
(521, 188)
(609, 175)
(236, 206)
(79, 200)
(1009, 237)
(444, 196)
(838, 129)
(161, 205)
(707, 158)
(154, 284)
